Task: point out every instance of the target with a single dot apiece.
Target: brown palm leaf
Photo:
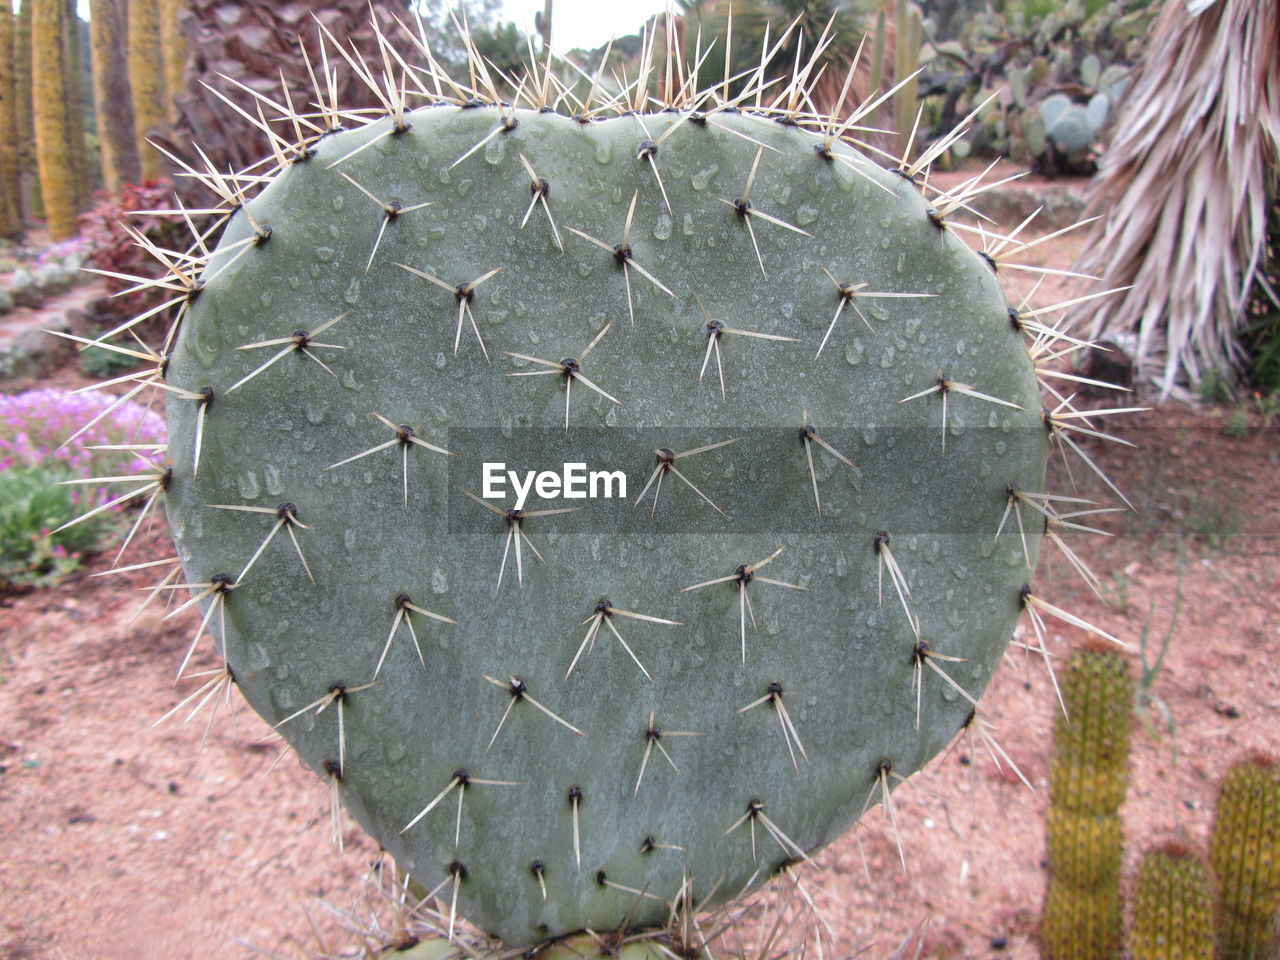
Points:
(257, 42)
(1184, 185)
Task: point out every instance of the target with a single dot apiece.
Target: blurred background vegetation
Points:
(88, 86)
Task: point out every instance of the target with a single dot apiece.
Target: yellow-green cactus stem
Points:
(1245, 854)
(1088, 779)
(1172, 907)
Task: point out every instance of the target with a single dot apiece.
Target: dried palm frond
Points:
(1185, 179)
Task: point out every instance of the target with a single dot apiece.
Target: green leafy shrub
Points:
(32, 506)
(105, 364)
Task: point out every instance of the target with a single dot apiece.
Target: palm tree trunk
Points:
(74, 85)
(113, 96)
(48, 68)
(10, 194)
(28, 181)
(174, 46)
(146, 75)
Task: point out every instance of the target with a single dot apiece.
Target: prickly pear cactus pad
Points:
(623, 710)
(810, 497)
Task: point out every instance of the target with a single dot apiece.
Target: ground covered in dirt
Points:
(128, 838)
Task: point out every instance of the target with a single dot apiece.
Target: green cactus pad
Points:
(1073, 130)
(795, 681)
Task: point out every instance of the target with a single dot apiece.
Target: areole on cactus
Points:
(581, 714)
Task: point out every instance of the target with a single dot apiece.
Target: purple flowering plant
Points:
(48, 436)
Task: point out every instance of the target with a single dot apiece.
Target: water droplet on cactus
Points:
(700, 179)
(495, 150)
(271, 479)
(324, 254)
(247, 482)
(256, 657)
(208, 346)
(662, 227)
(315, 411)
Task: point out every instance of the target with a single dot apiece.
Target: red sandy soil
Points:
(128, 841)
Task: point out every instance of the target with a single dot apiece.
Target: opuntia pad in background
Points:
(842, 648)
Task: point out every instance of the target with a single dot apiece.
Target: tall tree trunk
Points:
(26, 129)
(174, 45)
(74, 85)
(146, 75)
(48, 68)
(10, 193)
(113, 96)
(546, 25)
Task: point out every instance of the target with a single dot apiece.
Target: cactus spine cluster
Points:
(561, 715)
(1088, 781)
(1172, 908)
(1245, 853)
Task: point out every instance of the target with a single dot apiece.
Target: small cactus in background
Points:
(1088, 781)
(555, 715)
(1172, 907)
(1245, 853)
(1057, 77)
(907, 39)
